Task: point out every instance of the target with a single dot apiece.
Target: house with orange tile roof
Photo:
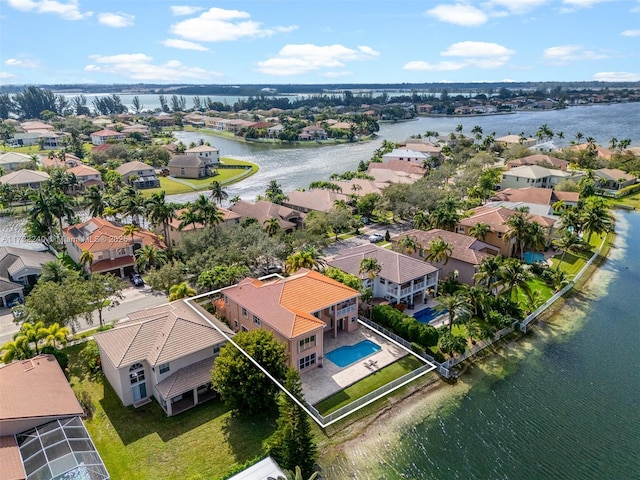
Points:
(175, 233)
(539, 159)
(166, 352)
(299, 310)
(466, 252)
(52, 161)
(113, 251)
(263, 211)
(496, 218)
(41, 433)
(103, 136)
(318, 199)
(86, 176)
(401, 279)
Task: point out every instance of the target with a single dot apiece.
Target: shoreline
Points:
(351, 442)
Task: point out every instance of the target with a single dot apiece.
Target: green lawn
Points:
(369, 384)
(206, 442)
(572, 263)
(535, 285)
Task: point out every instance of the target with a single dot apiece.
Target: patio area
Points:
(323, 382)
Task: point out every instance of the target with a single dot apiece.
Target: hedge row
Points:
(405, 326)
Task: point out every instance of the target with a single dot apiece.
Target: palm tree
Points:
(452, 344)
(455, 304)
(480, 231)
(408, 245)
(558, 278)
(150, 257)
(34, 332)
(188, 217)
(181, 290)
(130, 230)
(56, 336)
(297, 475)
(489, 271)
(217, 192)
(514, 274)
(274, 192)
(596, 217)
(370, 267)
(96, 201)
(536, 238)
(86, 259)
(17, 349)
(421, 220)
(438, 250)
(55, 271)
(308, 257)
(567, 242)
(518, 229)
(159, 211)
(271, 226)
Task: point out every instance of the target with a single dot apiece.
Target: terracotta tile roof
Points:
(134, 166)
(21, 378)
(400, 166)
(159, 335)
(106, 133)
(10, 459)
(463, 247)
(539, 159)
(496, 217)
(83, 171)
(287, 304)
(572, 197)
(600, 151)
(108, 265)
(529, 194)
(319, 200)
(263, 210)
(98, 235)
(21, 177)
(396, 267)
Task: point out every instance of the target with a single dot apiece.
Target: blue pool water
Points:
(426, 315)
(533, 257)
(349, 354)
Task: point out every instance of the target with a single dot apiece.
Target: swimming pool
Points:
(349, 354)
(534, 257)
(427, 315)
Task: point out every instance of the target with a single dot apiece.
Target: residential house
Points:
(466, 252)
(189, 166)
(139, 174)
(103, 136)
(24, 139)
(299, 310)
(496, 218)
(113, 251)
(540, 160)
(313, 200)
(19, 268)
(86, 176)
(41, 433)
(398, 166)
(263, 211)
(535, 176)
(163, 119)
(273, 132)
(313, 132)
(52, 161)
(207, 152)
(536, 195)
(402, 279)
(175, 233)
(613, 178)
(406, 155)
(385, 175)
(510, 140)
(11, 161)
(36, 126)
(424, 109)
(599, 151)
(166, 352)
(22, 179)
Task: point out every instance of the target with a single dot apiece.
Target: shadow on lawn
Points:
(245, 433)
(132, 424)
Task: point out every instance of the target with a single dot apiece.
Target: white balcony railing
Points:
(346, 310)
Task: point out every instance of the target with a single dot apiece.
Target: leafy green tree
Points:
(181, 290)
(274, 192)
(50, 302)
(103, 291)
(292, 445)
(451, 344)
(166, 276)
(218, 193)
(240, 384)
(149, 256)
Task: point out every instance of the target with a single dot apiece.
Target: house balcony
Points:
(343, 312)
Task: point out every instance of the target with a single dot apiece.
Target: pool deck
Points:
(321, 383)
(437, 321)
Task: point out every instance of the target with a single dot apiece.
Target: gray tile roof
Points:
(160, 335)
(396, 267)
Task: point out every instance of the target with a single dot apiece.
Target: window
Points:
(244, 329)
(136, 373)
(499, 234)
(216, 350)
(353, 319)
(307, 361)
(244, 312)
(307, 343)
(257, 321)
(235, 322)
(121, 251)
(164, 368)
(226, 300)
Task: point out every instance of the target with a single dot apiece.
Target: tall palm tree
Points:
(421, 220)
(514, 274)
(480, 231)
(271, 226)
(438, 250)
(56, 336)
(150, 257)
(370, 267)
(408, 244)
(130, 230)
(17, 349)
(55, 271)
(308, 257)
(188, 217)
(159, 211)
(455, 304)
(536, 238)
(518, 224)
(596, 217)
(181, 290)
(488, 272)
(217, 192)
(567, 242)
(452, 344)
(86, 259)
(96, 201)
(34, 332)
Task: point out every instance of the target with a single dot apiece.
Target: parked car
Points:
(376, 237)
(136, 279)
(268, 269)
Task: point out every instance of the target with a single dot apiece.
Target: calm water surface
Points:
(566, 407)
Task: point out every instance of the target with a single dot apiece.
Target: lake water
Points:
(563, 403)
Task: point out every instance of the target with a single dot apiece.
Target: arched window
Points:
(136, 373)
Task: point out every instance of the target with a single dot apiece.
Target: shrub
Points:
(417, 348)
(91, 356)
(428, 336)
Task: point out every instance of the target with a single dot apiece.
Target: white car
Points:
(376, 237)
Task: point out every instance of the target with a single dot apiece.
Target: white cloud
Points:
(420, 66)
(563, 54)
(517, 7)
(458, 14)
(583, 3)
(631, 33)
(138, 66)
(68, 11)
(219, 25)
(7, 75)
(116, 20)
(472, 54)
(299, 59)
(183, 44)
(14, 62)
(181, 10)
(617, 77)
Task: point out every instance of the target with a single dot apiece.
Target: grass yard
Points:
(572, 263)
(206, 442)
(369, 384)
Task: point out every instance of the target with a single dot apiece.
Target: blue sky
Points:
(329, 41)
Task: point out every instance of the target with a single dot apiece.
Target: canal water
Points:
(563, 403)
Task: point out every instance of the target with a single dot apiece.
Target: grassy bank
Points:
(206, 442)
